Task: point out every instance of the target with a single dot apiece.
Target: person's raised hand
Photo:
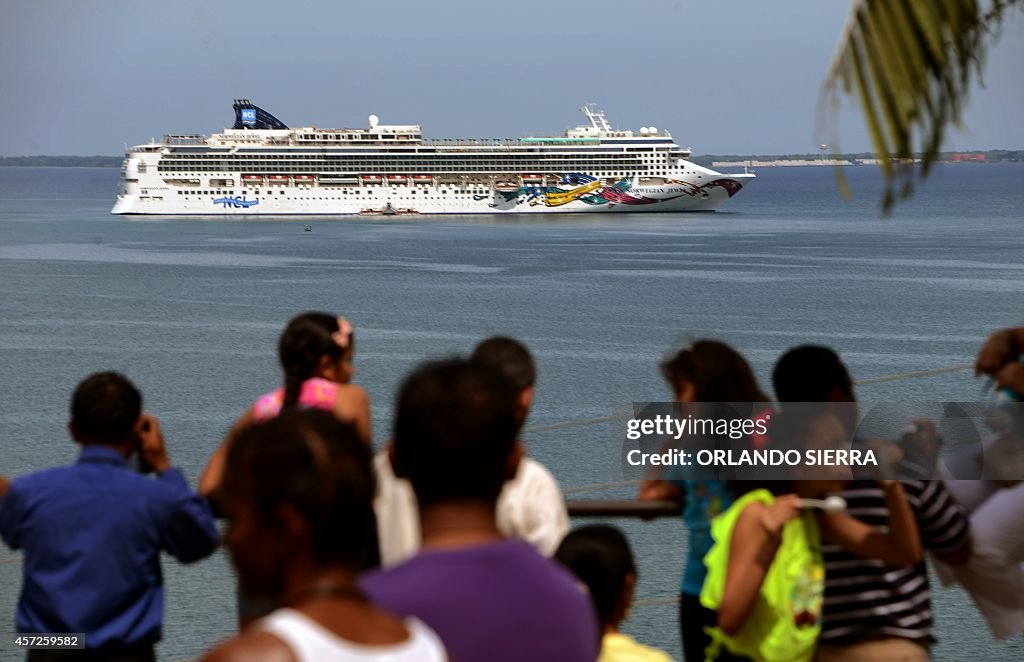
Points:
(151, 444)
(1011, 376)
(782, 510)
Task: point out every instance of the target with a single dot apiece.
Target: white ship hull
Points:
(392, 170)
(158, 199)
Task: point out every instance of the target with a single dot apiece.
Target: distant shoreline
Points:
(707, 160)
(62, 161)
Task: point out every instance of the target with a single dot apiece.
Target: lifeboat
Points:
(397, 179)
(303, 179)
(371, 179)
(507, 186)
(532, 178)
(422, 179)
(278, 179)
(252, 178)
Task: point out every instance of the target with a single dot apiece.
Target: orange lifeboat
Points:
(397, 179)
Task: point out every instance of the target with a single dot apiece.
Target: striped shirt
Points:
(868, 599)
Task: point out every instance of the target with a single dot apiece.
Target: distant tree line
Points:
(991, 156)
(63, 161)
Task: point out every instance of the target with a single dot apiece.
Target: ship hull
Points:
(621, 196)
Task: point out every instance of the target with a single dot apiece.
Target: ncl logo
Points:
(236, 202)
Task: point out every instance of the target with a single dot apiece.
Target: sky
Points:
(737, 77)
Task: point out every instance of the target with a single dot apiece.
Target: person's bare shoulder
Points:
(257, 647)
(353, 391)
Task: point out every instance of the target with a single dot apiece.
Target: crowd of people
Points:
(451, 543)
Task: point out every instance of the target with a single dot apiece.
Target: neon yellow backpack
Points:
(786, 620)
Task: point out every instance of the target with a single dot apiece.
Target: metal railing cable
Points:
(914, 374)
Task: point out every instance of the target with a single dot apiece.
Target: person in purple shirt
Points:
(92, 532)
(488, 598)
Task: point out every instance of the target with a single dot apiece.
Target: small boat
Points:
(532, 178)
(397, 179)
(303, 179)
(252, 178)
(508, 187)
(388, 210)
(422, 179)
(281, 179)
(371, 179)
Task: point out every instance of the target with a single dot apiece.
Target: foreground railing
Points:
(620, 508)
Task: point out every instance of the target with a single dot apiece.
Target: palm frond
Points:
(910, 65)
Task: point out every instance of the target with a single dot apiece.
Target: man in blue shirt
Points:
(92, 532)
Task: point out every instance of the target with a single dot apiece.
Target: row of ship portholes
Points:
(467, 194)
(374, 193)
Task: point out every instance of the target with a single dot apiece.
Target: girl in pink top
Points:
(316, 351)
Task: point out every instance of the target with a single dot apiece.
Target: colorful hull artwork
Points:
(589, 190)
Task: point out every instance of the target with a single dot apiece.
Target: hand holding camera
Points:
(152, 452)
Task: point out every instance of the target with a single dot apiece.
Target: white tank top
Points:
(311, 642)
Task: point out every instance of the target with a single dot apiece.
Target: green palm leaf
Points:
(910, 65)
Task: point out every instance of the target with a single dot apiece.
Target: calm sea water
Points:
(190, 309)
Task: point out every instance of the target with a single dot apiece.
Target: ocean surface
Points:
(191, 309)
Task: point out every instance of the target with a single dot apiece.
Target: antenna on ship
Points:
(596, 117)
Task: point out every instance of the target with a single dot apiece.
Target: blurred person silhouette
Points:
(316, 351)
(299, 499)
(530, 507)
(873, 610)
(599, 555)
(92, 532)
(490, 598)
(993, 576)
(706, 371)
(766, 574)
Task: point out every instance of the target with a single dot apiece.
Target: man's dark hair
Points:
(600, 557)
(508, 357)
(455, 428)
(809, 373)
(105, 408)
(319, 466)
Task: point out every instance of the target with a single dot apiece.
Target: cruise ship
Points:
(260, 166)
